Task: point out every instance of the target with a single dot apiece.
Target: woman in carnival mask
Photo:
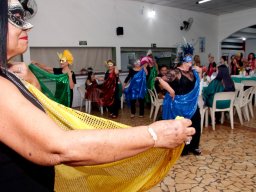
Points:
(65, 60)
(137, 88)
(183, 90)
(31, 144)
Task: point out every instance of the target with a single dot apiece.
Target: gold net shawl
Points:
(138, 173)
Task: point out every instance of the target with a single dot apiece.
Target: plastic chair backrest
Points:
(247, 95)
(152, 96)
(249, 83)
(81, 90)
(224, 96)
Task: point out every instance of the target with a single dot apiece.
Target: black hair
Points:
(162, 66)
(253, 56)
(223, 75)
(89, 75)
(3, 32)
(224, 58)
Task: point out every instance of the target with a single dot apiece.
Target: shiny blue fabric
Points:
(137, 88)
(182, 105)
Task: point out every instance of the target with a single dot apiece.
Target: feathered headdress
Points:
(185, 53)
(66, 56)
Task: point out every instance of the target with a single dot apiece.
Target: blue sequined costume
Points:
(137, 88)
(182, 105)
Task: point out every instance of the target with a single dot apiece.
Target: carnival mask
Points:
(16, 16)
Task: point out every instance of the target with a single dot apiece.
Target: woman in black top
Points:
(184, 85)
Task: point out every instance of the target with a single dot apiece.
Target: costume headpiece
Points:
(16, 15)
(186, 53)
(66, 56)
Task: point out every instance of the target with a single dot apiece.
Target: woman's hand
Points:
(20, 69)
(172, 133)
(23, 72)
(166, 86)
(172, 93)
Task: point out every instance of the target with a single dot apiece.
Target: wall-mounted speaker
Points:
(119, 31)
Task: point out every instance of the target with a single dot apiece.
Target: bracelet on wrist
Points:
(153, 134)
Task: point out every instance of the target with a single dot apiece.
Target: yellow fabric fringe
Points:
(138, 173)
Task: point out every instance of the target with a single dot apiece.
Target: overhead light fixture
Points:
(202, 1)
(243, 38)
(152, 14)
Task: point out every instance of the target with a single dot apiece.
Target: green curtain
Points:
(56, 87)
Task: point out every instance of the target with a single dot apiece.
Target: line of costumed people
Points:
(182, 94)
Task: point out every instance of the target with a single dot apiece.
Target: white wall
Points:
(64, 23)
(250, 46)
(230, 23)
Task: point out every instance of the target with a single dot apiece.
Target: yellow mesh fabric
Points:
(138, 173)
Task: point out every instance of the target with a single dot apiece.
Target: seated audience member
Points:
(239, 59)
(222, 83)
(163, 74)
(235, 69)
(223, 61)
(212, 65)
(197, 61)
(252, 61)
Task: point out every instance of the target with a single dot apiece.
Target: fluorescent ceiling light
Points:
(203, 1)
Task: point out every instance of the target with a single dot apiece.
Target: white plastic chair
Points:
(122, 101)
(251, 83)
(241, 104)
(155, 104)
(248, 95)
(238, 100)
(82, 91)
(88, 103)
(249, 100)
(203, 112)
(220, 97)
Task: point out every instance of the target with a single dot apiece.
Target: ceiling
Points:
(214, 7)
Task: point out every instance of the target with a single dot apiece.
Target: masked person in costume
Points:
(151, 65)
(182, 96)
(137, 88)
(35, 139)
(110, 89)
(65, 60)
